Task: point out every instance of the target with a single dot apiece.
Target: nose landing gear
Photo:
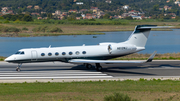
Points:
(18, 69)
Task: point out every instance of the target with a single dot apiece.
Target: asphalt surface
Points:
(60, 72)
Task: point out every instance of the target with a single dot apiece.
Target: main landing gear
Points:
(88, 66)
(18, 69)
(98, 66)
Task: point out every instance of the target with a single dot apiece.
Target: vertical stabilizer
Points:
(140, 35)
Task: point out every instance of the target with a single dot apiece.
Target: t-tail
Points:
(140, 35)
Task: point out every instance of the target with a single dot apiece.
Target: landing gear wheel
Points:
(88, 66)
(98, 67)
(18, 69)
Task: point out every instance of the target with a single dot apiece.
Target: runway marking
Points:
(58, 74)
(51, 75)
(164, 67)
(147, 66)
(68, 77)
(62, 72)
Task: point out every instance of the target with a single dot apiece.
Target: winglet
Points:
(152, 56)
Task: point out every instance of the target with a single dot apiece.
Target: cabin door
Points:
(33, 55)
(109, 49)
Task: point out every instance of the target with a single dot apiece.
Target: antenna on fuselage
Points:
(50, 46)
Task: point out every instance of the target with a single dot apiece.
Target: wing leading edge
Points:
(111, 61)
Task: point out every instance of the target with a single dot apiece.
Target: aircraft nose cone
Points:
(8, 59)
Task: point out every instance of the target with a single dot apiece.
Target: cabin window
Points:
(70, 53)
(77, 52)
(63, 53)
(42, 54)
(49, 54)
(84, 52)
(56, 53)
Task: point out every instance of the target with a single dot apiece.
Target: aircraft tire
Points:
(88, 66)
(99, 68)
(18, 69)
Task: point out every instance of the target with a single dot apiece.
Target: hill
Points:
(154, 8)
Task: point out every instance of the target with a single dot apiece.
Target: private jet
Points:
(88, 55)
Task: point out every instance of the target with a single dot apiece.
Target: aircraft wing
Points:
(111, 61)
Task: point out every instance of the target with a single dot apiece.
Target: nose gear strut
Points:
(19, 67)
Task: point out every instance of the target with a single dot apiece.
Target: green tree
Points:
(160, 16)
(121, 12)
(129, 18)
(44, 15)
(101, 17)
(106, 16)
(24, 28)
(6, 21)
(1, 18)
(20, 17)
(13, 18)
(71, 17)
(167, 17)
(65, 17)
(177, 18)
(49, 15)
(156, 7)
(118, 97)
(27, 18)
(154, 17)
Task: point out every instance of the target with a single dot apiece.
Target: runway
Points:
(60, 72)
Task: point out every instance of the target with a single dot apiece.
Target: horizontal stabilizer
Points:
(111, 61)
(147, 27)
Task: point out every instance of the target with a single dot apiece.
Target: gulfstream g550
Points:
(88, 55)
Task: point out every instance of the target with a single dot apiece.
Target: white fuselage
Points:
(103, 51)
(88, 55)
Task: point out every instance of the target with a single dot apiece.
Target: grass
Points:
(67, 30)
(141, 90)
(2, 58)
(118, 97)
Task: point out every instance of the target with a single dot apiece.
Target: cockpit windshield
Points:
(20, 52)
